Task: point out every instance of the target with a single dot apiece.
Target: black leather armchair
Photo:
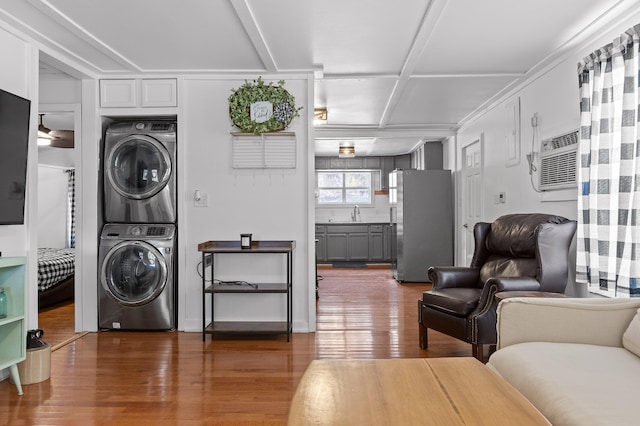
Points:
(517, 252)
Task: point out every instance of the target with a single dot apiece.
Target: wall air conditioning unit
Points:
(558, 162)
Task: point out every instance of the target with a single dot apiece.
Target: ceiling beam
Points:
(360, 133)
(428, 24)
(73, 27)
(250, 25)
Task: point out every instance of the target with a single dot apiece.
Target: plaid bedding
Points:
(54, 266)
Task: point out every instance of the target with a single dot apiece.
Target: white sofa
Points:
(576, 360)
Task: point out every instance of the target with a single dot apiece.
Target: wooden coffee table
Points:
(426, 391)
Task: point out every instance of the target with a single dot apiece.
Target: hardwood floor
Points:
(168, 378)
(57, 323)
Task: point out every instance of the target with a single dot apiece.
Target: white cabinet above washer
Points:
(144, 93)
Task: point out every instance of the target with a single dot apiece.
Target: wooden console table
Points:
(433, 391)
(211, 248)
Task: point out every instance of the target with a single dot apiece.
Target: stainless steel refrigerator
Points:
(421, 222)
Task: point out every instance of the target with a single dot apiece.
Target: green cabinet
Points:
(13, 333)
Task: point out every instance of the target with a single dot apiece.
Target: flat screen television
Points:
(14, 144)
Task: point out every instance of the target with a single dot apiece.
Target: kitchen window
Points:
(344, 187)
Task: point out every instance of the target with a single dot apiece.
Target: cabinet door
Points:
(359, 246)
(159, 92)
(336, 247)
(386, 243)
(376, 246)
(118, 93)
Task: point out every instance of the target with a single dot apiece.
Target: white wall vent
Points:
(265, 151)
(558, 162)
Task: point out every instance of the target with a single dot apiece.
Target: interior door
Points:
(471, 195)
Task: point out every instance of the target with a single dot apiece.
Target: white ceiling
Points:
(391, 74)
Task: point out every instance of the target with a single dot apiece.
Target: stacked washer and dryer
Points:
(137, 287)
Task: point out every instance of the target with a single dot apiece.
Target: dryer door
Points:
(133, 273)
(138, 167)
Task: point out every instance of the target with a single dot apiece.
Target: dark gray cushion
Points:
(456, 301)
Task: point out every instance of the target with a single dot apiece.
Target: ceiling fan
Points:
(57, 138)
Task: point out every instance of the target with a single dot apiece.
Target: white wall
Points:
(270, 204)
(15, 77)
(52, 206)
(553, 96)
(59, 90)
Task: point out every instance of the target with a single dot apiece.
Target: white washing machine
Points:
(139, 170)
(137, 285)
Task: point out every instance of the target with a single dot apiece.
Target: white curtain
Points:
(608, 260)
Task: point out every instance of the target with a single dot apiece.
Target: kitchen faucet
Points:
(355, 215)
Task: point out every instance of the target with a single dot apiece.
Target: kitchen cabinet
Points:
(336, 246)
(353, 242)
(358, 245)
(144, 93)
(376, 243)
(13, 332)
(386, 243)
(347, 242)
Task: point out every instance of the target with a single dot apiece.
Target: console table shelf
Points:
(212, 287)
(239, 288)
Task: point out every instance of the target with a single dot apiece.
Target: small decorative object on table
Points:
(256, 107)
(245, 241)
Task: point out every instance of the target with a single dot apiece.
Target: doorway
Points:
(56, 221)
(471, 196)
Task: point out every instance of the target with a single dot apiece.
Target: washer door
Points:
(138, 167)
(134, 273)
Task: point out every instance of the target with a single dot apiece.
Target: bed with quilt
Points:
(56, 273)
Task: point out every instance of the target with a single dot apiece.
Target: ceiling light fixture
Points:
(44, 138)
(319, 116)
(346, 151)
